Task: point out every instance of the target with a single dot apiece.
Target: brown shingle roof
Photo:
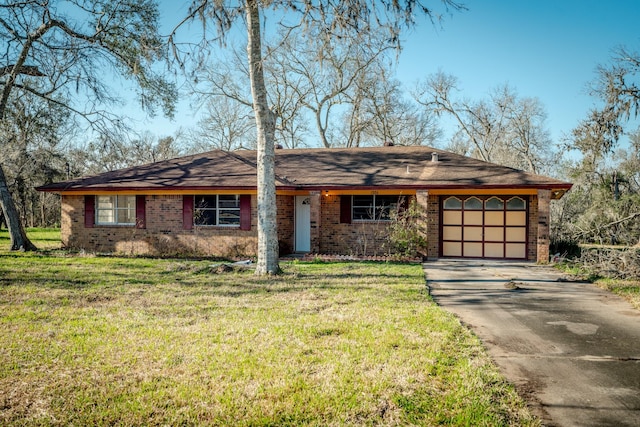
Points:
(406, 167)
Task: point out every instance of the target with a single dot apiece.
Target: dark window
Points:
(220, 210)
(374, 207)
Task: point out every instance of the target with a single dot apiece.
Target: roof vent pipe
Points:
(434, 157)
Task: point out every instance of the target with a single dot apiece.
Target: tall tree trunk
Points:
(265, 123)
(19, 239)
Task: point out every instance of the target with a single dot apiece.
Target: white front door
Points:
(303, 224)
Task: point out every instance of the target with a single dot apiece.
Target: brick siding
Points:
(532, 232)
(542, 224)
(164, 233)
(358, 238)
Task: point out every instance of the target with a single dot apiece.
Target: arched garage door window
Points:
(484, 227)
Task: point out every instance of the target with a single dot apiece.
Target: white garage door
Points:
(484, 227)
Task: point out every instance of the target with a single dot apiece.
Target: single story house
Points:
(329, 201)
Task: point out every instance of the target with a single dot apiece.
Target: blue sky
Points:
(542, 48)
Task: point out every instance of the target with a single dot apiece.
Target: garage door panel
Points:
(484, 226)
(494, 250)
(494, 234)
(473, 234)
(516, 250)
(452, 249)
(452, 218)
(494, 218)
(516, 218)
(516, 234)
(451, 233)
(472, 249)
(473, 218)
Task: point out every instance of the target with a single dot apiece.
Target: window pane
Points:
(105, 216)
(105, 208)
(205, 202)
(385, 205)
(229, 217)
(494, 204)
(362, 208)
(363, 213)
(452, 203)
(106, 202)
(384, 213)
(228, 201)
(363, 201)
(126, 216)
(125, 212)
(516, 204)
(204, 217)
(386, 200)
(473, 203)
(126, 201)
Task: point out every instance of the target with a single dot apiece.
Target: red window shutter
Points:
(141, 213)
(89, 211)
(245, 212)
(187, 212)
(345, 209)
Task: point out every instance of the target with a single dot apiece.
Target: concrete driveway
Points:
(571, 349)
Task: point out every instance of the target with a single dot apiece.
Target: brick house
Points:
(330, 201)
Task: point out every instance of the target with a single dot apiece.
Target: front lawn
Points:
(134, 341)
(43, 238)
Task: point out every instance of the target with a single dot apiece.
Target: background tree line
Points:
(342, 96)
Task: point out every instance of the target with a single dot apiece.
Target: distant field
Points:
(91, 340)
(43, 238)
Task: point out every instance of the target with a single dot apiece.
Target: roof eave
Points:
(558, 189)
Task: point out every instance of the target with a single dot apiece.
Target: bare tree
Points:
(113, 151)
(503, 129)
(326, 76)
(382, 114)
(336, 24)
(345, 94)
(227, 125)
(60, 52)
(228, 110)
(34, 135)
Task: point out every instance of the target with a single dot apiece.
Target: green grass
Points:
(43, 238)
(134, 341)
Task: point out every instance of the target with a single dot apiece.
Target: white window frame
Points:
(117, 205)
(217, 209)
